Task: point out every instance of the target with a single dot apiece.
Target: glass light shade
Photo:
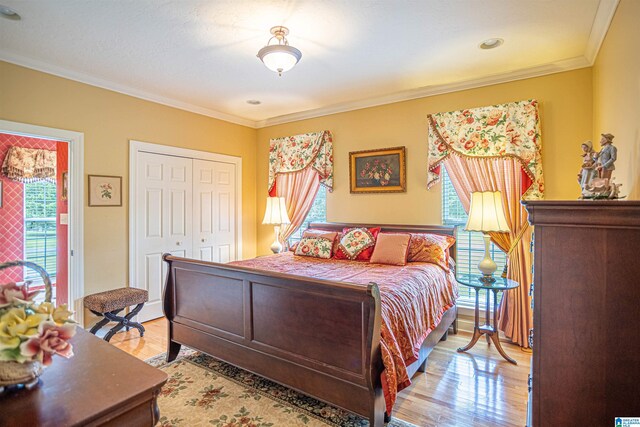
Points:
(487, 213)
(279, 58)
(276, 212)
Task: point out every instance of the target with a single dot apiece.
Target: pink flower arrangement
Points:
(30, 331)
(51, 339)
(11, 293)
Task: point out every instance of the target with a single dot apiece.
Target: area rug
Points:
(203, 391)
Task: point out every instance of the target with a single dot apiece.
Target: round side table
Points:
(489, 329)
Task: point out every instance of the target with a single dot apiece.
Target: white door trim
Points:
(76, 203)
(136, 147)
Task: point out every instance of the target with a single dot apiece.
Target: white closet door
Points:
(214, 211)
(163, 222)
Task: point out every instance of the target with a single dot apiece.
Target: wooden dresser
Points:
(586, 297)
(100, 386)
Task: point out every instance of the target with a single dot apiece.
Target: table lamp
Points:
(276, 214)
(487, 215)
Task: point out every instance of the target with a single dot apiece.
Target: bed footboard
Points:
(319, 337)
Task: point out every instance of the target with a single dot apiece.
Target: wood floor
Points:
(477, 388)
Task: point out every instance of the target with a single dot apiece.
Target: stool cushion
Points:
(115, 299)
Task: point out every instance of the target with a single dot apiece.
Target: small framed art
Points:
(105, 190)
(378, 171)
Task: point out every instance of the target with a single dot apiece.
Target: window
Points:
(317, 213)
(40, 228)
(470, 245)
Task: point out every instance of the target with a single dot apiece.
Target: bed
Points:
(320, 337)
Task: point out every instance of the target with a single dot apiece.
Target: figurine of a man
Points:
(607, 156)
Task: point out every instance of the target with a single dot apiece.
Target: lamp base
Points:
(487, 280)
(487, 266)
(276, 246)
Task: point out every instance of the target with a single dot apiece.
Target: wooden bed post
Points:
(378, 415)
(173, 348)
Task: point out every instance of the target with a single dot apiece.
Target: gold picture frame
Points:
(105, 190)
(378, 171)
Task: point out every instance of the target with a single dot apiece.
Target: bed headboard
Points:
(399, 228)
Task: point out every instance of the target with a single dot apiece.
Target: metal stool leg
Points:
(133, 324)
(113, 316)
(100, 323)
(122, 321)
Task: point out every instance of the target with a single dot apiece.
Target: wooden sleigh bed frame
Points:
(319, 337)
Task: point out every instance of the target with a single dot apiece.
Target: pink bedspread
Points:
(413, 300)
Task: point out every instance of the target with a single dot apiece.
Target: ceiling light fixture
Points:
(279, 57)
(8, 13)
(253, 102)
(491, 43)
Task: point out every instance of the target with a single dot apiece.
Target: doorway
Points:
(40, 209)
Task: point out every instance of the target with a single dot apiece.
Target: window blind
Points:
(40, 228)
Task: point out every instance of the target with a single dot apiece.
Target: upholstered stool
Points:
(109, 303)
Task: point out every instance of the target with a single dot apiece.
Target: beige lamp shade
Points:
(276, 212)
(487, 213)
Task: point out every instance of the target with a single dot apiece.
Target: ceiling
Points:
(200, 55)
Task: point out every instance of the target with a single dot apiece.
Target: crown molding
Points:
(601, 23)
(599, 28)
(123, 89)
(527, 73)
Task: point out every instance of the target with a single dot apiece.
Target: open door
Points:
(33, 210)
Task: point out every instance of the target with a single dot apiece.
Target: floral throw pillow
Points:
(334, 236)
(433, 248)
(316, 247)
(357, 243)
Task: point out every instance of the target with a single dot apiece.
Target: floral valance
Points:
(505, 130)
(29, 164)
(295, 153)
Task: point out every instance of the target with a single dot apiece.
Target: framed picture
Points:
(105, 190)
(65, 186)
(378, 171)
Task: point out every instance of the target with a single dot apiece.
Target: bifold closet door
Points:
(214, 228)
(163, 222)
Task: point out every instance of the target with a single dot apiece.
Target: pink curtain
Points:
(299, 190)
(503, 174)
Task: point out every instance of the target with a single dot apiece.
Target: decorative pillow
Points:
(311, 232)
(357, 243)
(317, 247)
(391, 248)
(320, 233)
(433, 248)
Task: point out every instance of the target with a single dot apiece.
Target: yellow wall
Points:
(109, 120)
(616, 94)
(566, 115)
